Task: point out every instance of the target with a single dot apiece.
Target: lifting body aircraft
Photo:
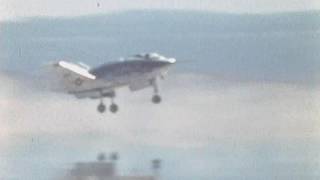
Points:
(136, 72)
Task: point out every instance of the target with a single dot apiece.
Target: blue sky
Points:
(11, 9)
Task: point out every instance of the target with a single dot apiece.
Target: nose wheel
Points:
(156, 99)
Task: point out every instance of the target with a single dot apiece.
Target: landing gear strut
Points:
(156, 98)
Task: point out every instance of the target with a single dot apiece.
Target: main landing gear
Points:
(113, 107)
(101, 107)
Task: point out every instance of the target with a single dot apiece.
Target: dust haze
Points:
(199, 113)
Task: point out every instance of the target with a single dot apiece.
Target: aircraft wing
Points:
(74, 70)
(73, 77)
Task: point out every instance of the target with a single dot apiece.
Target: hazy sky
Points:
(226, 129)
(17, 8)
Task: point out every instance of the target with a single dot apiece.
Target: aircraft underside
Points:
(102, 92)
(113, 107)
(102, 82)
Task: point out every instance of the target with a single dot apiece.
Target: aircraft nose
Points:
(164, 63)
(171, 60)
(167, 62)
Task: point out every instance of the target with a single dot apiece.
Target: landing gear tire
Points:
(113, 108)
(101, 108)
(156, 99)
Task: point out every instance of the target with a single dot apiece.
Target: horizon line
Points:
(142, 10)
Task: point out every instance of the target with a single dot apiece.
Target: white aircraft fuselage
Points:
(136, 72)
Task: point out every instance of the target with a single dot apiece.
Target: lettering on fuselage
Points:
(78, 82)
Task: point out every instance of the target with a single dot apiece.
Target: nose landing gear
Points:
(156, 99)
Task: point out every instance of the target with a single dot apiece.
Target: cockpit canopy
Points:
(147, 56)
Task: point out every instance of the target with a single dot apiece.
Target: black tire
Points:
(101, 108)
(156, 99)
(113, 108)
